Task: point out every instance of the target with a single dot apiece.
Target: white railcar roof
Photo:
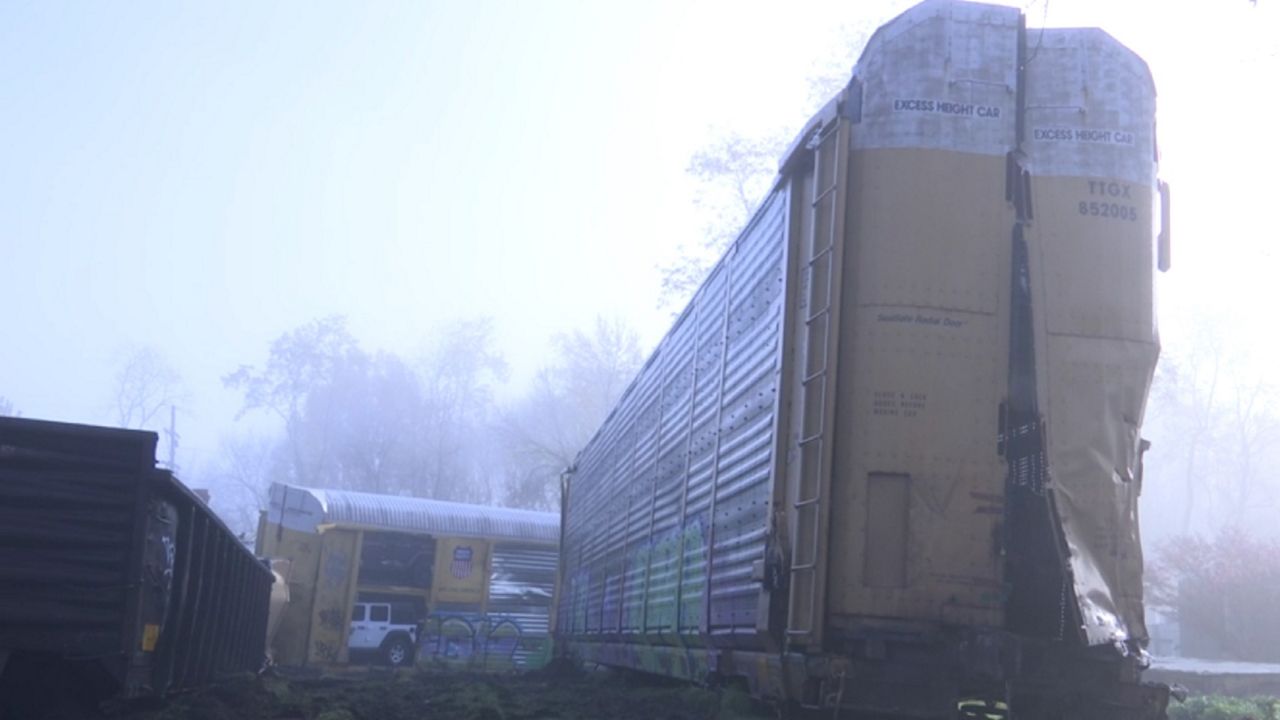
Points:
(304, 508)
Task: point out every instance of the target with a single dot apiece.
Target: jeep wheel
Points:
(397, 652)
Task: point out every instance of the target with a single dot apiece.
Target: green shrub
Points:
(1221, 707)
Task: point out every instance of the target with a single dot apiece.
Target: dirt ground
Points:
(375, 693)
(450, 694)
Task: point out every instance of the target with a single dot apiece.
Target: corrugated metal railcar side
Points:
(70, 545)
(670, 538)
(113, 572)
(220, 599)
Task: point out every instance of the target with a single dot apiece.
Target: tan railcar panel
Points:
(924, 368)
(928, 389)
(931, 228)
(303, 550)
(331, 608)
(884, 556)
(1097, 256)
(925, 405)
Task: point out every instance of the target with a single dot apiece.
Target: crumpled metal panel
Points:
(303, 508)
(1091, 142)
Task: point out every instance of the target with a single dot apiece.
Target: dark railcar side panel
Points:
(113, 567)
(166, 663)
(185, 632)
(199, 650)
(79, 447)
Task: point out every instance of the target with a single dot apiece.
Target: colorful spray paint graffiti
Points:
(486, 642)
(646, 609)
(659, 593)
(665, 584)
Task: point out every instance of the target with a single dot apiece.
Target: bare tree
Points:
(241, 478)
(1251, 442)
(1215, 430)
(545, 430)
(145, 384)
(734, 170)
(733, 174)
(6, 408)
(376, 423)
(373, 409)
(299, 362)
(1186, 416)
(459, 374)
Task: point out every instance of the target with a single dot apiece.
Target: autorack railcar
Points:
(889, 456)
(406, 579)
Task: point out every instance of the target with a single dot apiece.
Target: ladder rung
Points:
(810, 378)
(817, 315)
(811, 438)
(818, 255)
(807, 501)
(823, 195)
(806, 566)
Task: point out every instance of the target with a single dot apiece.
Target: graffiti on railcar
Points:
(658, 565)
(325, 652)
(337, 565)
(580, 589)
(332, 618)
(490, 642)
(658, 588)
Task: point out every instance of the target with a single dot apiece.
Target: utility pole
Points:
(172, 432)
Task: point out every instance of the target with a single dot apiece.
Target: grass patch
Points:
(434, 694)
(1221, 707)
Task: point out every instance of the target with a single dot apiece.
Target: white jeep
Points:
(389, 629)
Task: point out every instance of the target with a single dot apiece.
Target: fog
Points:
(184, 185)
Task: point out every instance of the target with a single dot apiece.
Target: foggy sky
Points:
(201, 178)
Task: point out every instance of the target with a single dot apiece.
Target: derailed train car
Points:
(115, 580)
(472, 584)
(889, 458)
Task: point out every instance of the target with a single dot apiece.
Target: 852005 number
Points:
(1108, 210)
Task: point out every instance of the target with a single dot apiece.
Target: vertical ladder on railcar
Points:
(823, 266)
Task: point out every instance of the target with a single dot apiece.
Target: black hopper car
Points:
(116, 581)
